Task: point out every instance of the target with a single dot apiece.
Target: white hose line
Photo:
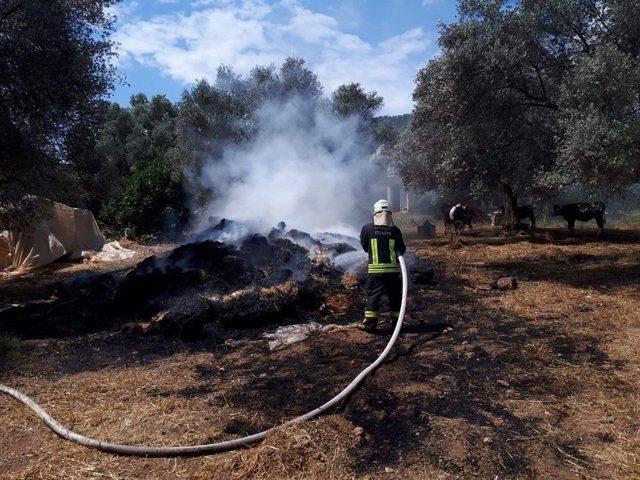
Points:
(148, 451)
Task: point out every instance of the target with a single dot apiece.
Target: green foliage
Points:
(131, 138)
(266, 83)
(152, 200)
(542, 95)
(399, 122)
(385, 134)
(601, 141)
(210, 119)
(297, 79)
(137, 182)
(56, 64)
(213, 117)
(351, 100)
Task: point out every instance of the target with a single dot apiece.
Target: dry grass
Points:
(589, 293)
(142, 404)
(349, 281)
(539, 382)
(339, 304)
(316, 450)
(283, 290)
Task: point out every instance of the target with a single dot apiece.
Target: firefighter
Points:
(382, 240)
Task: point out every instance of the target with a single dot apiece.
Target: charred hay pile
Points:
(217, 280)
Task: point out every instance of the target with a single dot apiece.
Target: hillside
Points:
(398, 122)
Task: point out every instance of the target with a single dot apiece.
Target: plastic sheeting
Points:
(290, 334)
(287, 335)
(110, 252)
(62, 231)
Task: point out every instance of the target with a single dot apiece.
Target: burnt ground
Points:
(539, 382)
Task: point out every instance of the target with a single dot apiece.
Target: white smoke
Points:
(304, 166)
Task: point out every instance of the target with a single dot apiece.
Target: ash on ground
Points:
(221, 280)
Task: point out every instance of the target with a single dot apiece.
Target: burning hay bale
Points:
(341, 248)
(182, 317)
(170, 324)
(258, 307)
(189, 264)
(303, 238)
(277, 232)
(339, 304)
(276, 257)
(255, 281)
(178, 324)
(286, 290)
(238, 294)
(350, 281)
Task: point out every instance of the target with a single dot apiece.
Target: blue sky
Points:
(165, 45)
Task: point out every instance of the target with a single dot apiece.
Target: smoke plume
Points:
(304, 166)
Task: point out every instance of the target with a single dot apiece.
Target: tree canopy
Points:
(55, 66)
(137, 182)
(60, 138)
(172, 143)
(542, 95)
(214, 116)
(351, 100)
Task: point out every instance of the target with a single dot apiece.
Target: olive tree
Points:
(55, 67)
(535, 96)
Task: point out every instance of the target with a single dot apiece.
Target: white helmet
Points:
(381, 206)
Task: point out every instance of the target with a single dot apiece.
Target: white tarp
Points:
(110, 252)
(61, 231)
(289, 334)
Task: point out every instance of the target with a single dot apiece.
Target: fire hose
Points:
(192, 450)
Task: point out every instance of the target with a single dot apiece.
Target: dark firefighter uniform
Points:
(384, 244)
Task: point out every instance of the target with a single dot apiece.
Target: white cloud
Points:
(188, 47)
(242, 34)
(122, 10)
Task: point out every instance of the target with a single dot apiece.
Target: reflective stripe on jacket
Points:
(383, 244)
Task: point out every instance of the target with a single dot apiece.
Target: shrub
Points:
(151, 201)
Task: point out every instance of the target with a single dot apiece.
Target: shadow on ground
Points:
(468, 386)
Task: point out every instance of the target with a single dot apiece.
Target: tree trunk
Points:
(510, 203)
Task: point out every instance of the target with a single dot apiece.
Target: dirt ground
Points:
(538, 382)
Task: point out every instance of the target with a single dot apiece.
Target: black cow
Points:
(522, 212)
(583, 212)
